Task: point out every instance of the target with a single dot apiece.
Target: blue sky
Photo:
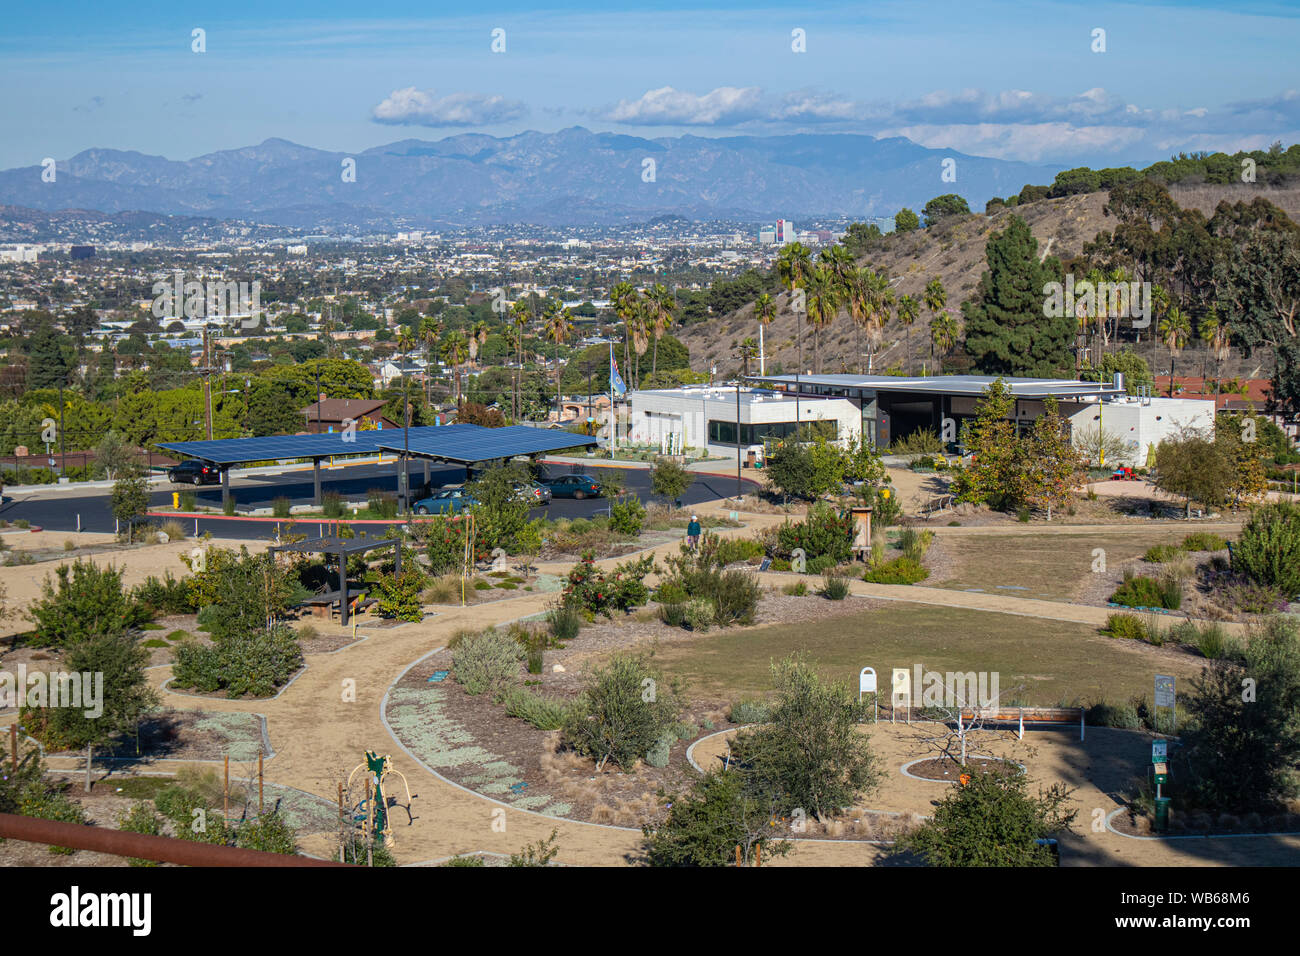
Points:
(1015, 80)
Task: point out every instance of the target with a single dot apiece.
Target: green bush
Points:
(1143, 591)
(658, 754)
(1125, 626)
(254, 663)
(168, 596)
(699, 614)
(46, 803)
(1268, 551)
(564, 621)
(399, 595)
(734, 596)
(1212, 641)
(228, 506)
(674, 615)
(331, 503)
(914, 543)
(750, 711)
(820, 564)
(704, 827)
(544, 713)
(624, 709)
(1161, 553)
(268, 832)
(487, 662)
(141, 818)
(798, 589)
(84, 601)
(280, 506)
(1204, 541)
(835, 588)
(822, 532)
(626, 515)
(593, 592)
(381, 503)
(1121, 716)
(733, 550)
(901, 570)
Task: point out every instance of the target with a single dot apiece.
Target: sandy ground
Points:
(319, 735)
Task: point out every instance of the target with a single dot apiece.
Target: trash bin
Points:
(1162, 814)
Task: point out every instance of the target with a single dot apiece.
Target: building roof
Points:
(949, 384)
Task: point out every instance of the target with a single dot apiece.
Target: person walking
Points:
(693, 533)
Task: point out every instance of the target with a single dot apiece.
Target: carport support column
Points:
(343, 587)
(225, 485)
(315, 469)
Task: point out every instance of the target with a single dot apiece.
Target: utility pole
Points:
(63, 448)
(206, 371)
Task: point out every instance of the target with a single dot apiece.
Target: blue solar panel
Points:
(461, 443)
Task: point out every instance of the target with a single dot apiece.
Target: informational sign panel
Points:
(901, 692)
(867, 681)
(1164, 691)
(1159, 751)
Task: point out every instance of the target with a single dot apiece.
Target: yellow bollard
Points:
(176, 501)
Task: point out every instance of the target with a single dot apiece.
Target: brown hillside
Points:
(954, 251)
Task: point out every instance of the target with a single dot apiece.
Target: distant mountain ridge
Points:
(572, 176)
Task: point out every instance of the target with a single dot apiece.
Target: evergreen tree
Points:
(1006, 330)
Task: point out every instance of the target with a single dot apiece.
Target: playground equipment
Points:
(371, 811)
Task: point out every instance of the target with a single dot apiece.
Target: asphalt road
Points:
(58, 510)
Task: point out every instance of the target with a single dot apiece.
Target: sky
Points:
(1030, 80)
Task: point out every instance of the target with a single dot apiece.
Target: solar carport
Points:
(462, 444)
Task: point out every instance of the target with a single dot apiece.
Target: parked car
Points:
(448, 501)
(574, 486)
(194, 472)
(533, 492)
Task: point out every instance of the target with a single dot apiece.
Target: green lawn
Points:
(1056, 662)
(1050, 567)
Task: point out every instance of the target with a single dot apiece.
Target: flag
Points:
(616, 384)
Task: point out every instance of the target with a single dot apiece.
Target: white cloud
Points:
(666, 106)
(414, 107)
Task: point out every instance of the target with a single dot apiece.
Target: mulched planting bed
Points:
(1192, 823)
(948, 770)
(185, 735)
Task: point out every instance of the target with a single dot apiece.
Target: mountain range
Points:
(570, 177)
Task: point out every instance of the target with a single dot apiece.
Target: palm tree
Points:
(935, 298)
(559, 326)
(429, 331)
(793, 265)
(639, 328)
(455, 352)
(1206, 330)
(823, 302)
(909, 307)
(944, 333)
(765, 312)
(521, 315)
(662, 305)
(878, 299)
(1175, 330)
(1160, 303)
(623, 298)
(747, 350)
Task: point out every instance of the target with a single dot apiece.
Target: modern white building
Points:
(705, 416)
(1140, 422)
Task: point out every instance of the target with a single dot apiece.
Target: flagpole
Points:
(613, 416)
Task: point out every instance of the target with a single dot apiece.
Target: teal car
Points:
(573, 486)
(449, 501)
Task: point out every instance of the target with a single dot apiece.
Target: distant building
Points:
(298, 250)
(784, 231)
(767, 236)
(336, 414)
(82, 252)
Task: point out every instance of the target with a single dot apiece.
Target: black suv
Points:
(194, 472)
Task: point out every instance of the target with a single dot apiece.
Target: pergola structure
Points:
(342, 548)
(461, 444)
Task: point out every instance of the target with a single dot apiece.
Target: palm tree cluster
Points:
(820, 290)
(647, 315)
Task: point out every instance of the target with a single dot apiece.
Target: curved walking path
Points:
(319, 735)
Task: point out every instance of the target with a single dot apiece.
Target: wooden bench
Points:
(1026, 715)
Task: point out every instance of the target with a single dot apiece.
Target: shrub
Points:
(734, 597)
(658, 754)
(87, 601)
(835, 588)
(399, 595)
(1143, 591)
(593, 592)
(901, 570)
(564, 621)
(798, 589)
(626, 514)
(268, 832)
(544, 713)
(1251, 597)
(810, 754)
(1212, 641)
(823, 532)
(1161, 553)
(1125, 626)
(699, 614)
(669, 479)
(1268, 551)
(168, 596)
(750, 711)
(914, 544)
(331, 503)
(487, 662)
(674, 615)
(1204, 541)
(624, 709)
(46, 803)
(141, 818)
(820, 564)
(228, 506)
(670, 592)
(1121, 716)
(733, 550)
(280, 506)
(381, 503)
(704, 826)
(254, 663)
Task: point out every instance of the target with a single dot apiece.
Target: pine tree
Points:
(1006, 330)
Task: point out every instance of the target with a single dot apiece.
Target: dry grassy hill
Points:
(954, 252)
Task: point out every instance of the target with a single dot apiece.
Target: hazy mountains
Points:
(573, 176)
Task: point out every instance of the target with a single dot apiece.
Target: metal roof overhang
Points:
(482, 444)
(975, 385)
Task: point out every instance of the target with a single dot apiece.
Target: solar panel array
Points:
(459, 443)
